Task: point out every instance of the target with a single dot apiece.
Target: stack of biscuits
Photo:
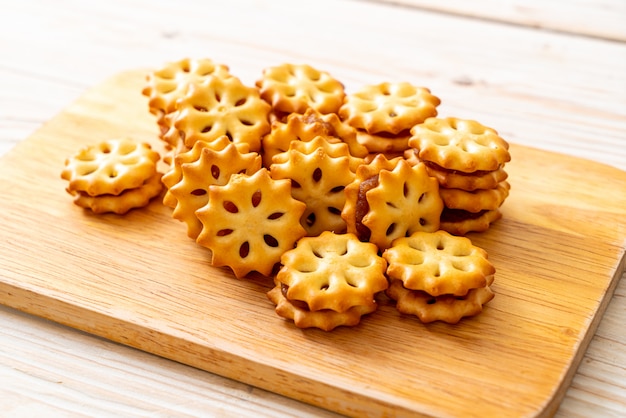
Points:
(115, 175)
(383, 114)
(340, 196)
(467, 159)
(438, 276)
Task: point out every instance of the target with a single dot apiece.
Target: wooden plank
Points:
(557, 251)
(601, 19)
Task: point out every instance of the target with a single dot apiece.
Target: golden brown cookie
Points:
(304, 128)
(319, 172)
(175, 174)
(446, 308)
(328, 281)
(438, 263)
(461, 222)
(332, 271)
(293, 88)
(477, 200)
(477, 180)
(388, 107)
(459, 144)
(390, 199)
(169, 134)
(328, 145)
(326, 319)
(123, 202)
(383, 142)
(213, 167)
(165, 85)
(222, 106)
(336, 128)
(250, 222)
(110, 167)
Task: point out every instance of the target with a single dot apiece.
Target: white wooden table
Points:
(549, 74)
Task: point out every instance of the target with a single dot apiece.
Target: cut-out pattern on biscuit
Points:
(333, 271)
(293, 88)
(110, 167)
(438, 263)
(250, 222)
(222, 107)
(459, 144)
(388, 107)
(390, 199)
(211, 168)
(175, 173)
(319, 172)
(169, 83)
(303, 128)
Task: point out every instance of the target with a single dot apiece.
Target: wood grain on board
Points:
(138, 280)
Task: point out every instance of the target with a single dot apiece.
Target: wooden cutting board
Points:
(138, 280)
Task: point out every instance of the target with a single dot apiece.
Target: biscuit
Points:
(384, 142)
(169, 83)
(293, 88)
(213, 167)
(175, 174)
(250, 222)
(326, 320)
(328, 144)
(461, 222)
(438, 263)
(332, 272)
(390, 199)
(305, 127)
(459, 144)
(222, 106)
(169, 134)
(477, 200)
(319, 172)
(446, 308)
(452, 179)
(123, 202)
(388, 107)
(110, 167)
(356, 206)
(336, 128)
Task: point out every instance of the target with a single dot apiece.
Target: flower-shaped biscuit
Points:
(110, 167)
(304, 128)
(388, 107)
(332, 272)
(460, 222)
(438, 263)
(390, 199)
(293, 88)
(175, 173)
(477, 200)
(319, 172)
(211, 168)
(169, 83)
(250, 222)
(446, 308)
(459, 144)
(218, 107)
